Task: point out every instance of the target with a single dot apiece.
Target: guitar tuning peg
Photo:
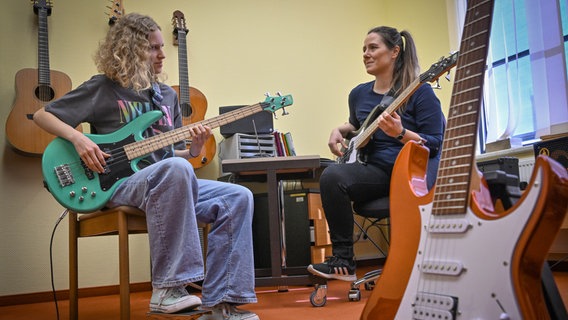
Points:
(437, 85)
(278, 93)
(267, 94)
(448, 77)
(284, 112)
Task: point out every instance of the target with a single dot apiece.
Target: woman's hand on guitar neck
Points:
(199, 135)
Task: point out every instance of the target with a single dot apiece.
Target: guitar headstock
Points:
(273, 103)
(42, 5)
(116, 11)
(178, 21)
(439, 68)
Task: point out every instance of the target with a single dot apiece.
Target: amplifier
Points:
(557, 149)
(258, 123)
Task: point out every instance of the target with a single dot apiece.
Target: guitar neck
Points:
(395, 105)
(452, 193)
(183, 68)
(43, 49)
(141, 148)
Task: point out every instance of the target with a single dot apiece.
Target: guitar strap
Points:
(156, 95)
(387, 99)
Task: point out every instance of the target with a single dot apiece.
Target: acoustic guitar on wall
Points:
(34, 89)
(116, 11)
(192, 101)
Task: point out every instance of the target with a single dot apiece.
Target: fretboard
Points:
(452, 194)
(151, 144)
(43, 48)
(183, 68)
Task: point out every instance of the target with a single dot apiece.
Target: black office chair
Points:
(377, 212)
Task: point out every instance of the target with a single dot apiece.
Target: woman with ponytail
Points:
(389, 56)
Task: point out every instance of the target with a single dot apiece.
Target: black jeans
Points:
(340, 184)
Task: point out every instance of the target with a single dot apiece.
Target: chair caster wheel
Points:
(369, 285)
(318, 298)
(354, 295)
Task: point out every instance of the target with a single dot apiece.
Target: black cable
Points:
(63, 214)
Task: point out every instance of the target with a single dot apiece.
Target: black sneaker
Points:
(335, 268)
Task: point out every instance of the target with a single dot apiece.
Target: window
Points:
(525, 95)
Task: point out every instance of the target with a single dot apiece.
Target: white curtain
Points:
(548, 64)
(514, 104)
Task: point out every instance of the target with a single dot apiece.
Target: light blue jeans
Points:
(175, 201)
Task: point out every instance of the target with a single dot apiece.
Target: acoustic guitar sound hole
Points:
(44, 93)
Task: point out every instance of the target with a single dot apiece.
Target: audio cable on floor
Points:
(61, 217)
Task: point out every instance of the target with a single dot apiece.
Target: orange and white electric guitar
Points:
(452, 256)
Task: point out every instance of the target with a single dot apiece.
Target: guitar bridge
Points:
(64, 175)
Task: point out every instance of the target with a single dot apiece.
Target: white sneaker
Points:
(227, 311)
(170, 300)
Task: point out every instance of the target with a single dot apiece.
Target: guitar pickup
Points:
(443, 268)
(434, 306)
(448, 226)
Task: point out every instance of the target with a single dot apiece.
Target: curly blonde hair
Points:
(124, 55)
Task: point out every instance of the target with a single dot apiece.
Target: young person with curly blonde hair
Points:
(166, 188)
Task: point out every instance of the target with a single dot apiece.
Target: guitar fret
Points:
(451, 185)
(467, 91)
(455, 178)
(470, 114)
(454, 158)
(451, 198)
(458, 176)
(455, 166)
(446, 205)
(466, 78)
(481, 33)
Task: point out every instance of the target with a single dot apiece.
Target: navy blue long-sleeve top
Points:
(422, 115)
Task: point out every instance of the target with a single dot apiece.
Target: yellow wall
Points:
(238, 50)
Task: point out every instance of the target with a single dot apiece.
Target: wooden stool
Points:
(121, 221)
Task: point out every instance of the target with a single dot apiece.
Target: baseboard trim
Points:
(38, 297)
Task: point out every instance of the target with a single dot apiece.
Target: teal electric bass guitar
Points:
(78, 188)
